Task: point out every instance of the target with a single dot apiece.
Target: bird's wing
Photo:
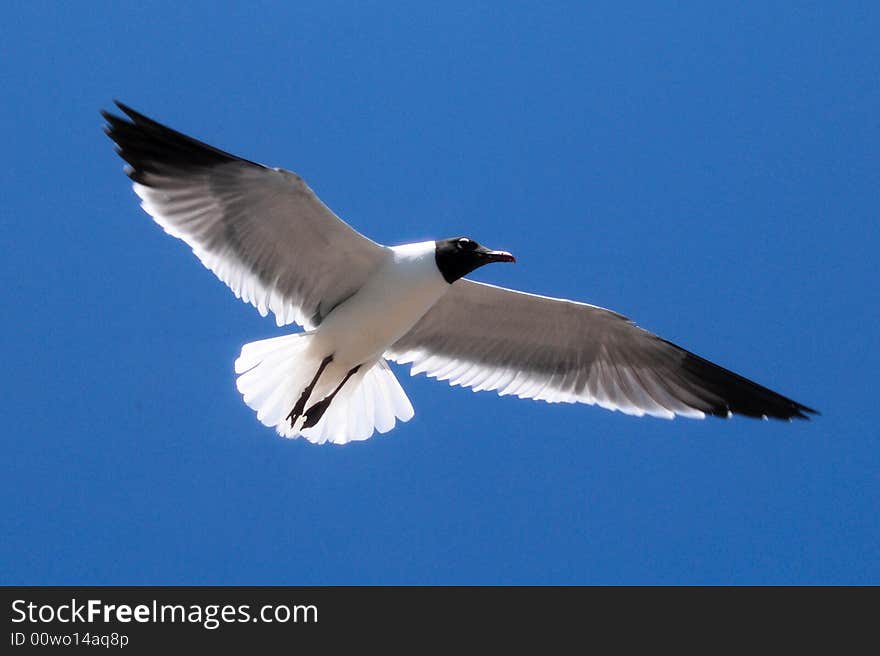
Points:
(490, 338)
(262, 231)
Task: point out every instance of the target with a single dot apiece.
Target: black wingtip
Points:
(150, 147)
(725, 392)
(128, 111)
(805, 413)
(136, 117)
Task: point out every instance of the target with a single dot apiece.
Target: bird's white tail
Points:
(274, 372)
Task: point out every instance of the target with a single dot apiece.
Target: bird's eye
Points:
(467, 244)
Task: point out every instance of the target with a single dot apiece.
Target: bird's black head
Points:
(459, 256)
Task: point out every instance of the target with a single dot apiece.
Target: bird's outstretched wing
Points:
(262, 231)
(490, 338)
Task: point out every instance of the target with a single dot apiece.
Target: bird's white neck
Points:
(422, 250)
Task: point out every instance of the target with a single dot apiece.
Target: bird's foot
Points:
(314, 413)
(297, 411)
(299, 407)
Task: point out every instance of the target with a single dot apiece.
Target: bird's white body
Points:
(361, 328)
(356, 333)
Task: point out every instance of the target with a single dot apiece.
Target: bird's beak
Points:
(499, 256)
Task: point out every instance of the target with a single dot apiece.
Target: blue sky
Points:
(710, 171)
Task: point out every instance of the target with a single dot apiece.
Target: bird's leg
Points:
(307, 392)
(315, 412)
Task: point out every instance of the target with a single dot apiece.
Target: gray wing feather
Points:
(262, 231)
(490, 338)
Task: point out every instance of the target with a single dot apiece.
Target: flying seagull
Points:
(266, 234)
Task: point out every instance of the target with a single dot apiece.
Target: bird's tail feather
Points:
(274, 372)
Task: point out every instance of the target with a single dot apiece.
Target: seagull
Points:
(266, 234)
